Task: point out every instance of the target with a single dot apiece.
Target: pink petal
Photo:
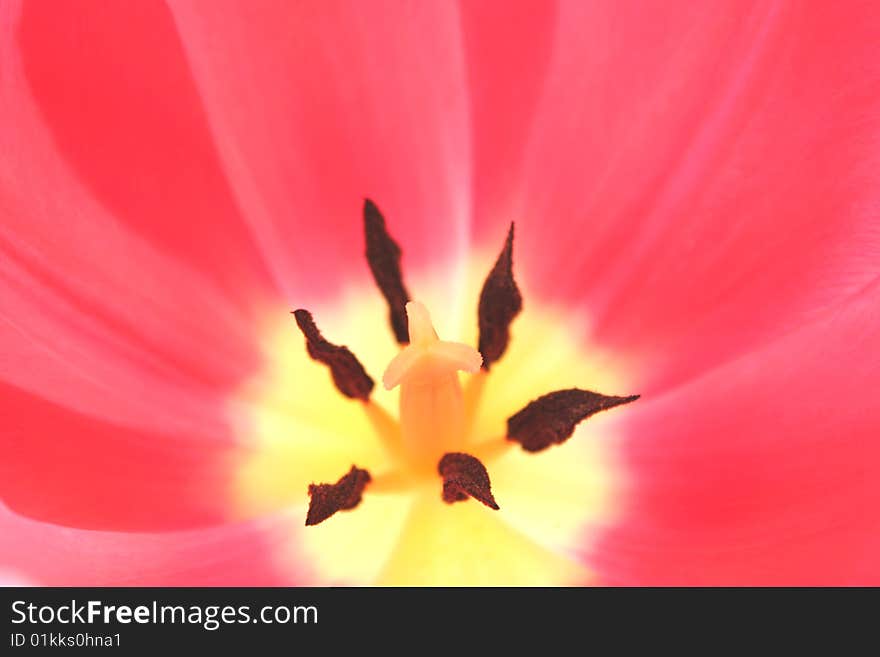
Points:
(115, 91)
(763, 471)
(72, 469)
(119, 358)
(508, 48)
(315, 107)
(94, 313)
(234, 555)
(700, 178)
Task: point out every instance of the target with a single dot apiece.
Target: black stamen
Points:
(349, 375)
(383, 256)
(551, 419)
(465, 476)
(500, 303)
(327, 499)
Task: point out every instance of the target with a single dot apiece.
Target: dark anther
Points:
(464, 476)
(327, 499)
(349, 375)
(551, 419)
(383, 256)
(500, 302)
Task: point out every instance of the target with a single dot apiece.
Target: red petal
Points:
(700, 178)
(118, 359)
(71, 469)
(117, 95)
(317, 106)
(762, 472)
(92, 313)
(509, 48)
(234, 555)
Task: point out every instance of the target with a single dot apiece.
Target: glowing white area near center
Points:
(298, 430)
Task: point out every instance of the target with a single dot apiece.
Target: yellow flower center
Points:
(297, 430)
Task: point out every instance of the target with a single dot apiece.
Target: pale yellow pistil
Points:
(432, 420)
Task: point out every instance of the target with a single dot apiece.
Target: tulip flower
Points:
(583, 292)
